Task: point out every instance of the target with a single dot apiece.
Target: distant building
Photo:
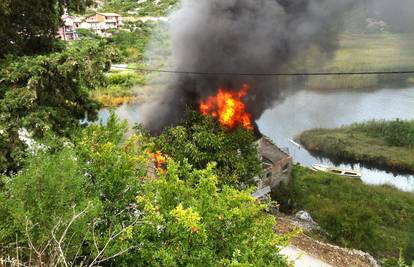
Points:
(101, 23)
(276, 163)
(68, 31)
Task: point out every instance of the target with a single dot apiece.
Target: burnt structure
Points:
(276, 163)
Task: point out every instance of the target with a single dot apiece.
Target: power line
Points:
(269, 74)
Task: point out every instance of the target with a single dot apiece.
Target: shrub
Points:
(189, 221)
(37, 204)
(400, 133)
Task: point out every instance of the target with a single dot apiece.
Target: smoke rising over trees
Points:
(264, 36)
(244, 36)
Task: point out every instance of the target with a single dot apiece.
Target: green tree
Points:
(30, 26)
(200, 140)
(95, 193)
(48, 94)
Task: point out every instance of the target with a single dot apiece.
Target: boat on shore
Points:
(337, 171)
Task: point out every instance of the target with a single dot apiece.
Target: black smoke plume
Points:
(242, 36)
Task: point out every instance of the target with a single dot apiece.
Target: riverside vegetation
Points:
(128, 85)
(75, 193)
(376, 219)
(88, 201)
(384, 144)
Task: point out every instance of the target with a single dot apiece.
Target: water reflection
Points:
(306, 110)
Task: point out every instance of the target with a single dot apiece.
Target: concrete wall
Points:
(280, 171)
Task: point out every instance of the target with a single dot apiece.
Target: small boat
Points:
(337, 171)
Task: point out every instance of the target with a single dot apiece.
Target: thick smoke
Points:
(397, 14)
(243, 36)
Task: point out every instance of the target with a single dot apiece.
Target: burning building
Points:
(227, 44)
(227, 56)
(229, 109)
(276, 163)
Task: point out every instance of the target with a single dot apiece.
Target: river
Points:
(313, 109)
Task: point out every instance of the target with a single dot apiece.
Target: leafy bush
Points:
(73, 205)
(189, 221)
(400, 133)
(37, 204)
(88, 34)
(132, 44)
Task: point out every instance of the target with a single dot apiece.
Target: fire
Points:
(158, 158)
(228, 107)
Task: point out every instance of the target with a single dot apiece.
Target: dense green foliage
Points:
(30, 26)
(384, 144)
(379, 220)
(92, 202)
(200, 140)
(141, 8)
(48, 93)
(132, 42)
(394, 133)
(135, 38)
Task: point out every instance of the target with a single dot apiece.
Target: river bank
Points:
(380, 144)
(375, 219)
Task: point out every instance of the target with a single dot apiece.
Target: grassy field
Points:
(379, 220)
(386, 145)
(367, 52)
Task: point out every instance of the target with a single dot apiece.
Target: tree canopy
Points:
(92, 203)
(200, 140)
(30, 26)
(48, 94)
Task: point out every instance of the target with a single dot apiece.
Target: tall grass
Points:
(364, 52)
(383, 144)
(394, 133)
(119, 89)
(379, 220)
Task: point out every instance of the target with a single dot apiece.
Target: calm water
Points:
(309, 109)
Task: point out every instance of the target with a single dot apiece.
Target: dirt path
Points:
(301, 258)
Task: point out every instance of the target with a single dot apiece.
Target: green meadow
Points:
(365, 52)
(376, 219)
(384, 144)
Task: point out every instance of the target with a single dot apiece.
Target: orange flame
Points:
(228, 107)
(158, 158)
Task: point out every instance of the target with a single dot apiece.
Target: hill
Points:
(139, 8)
